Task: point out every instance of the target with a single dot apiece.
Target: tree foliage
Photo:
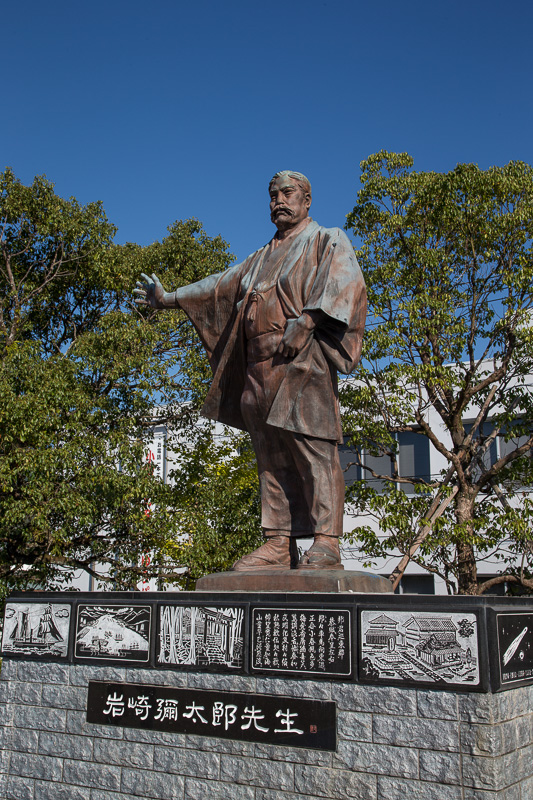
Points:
(448, 355)
(216, 502)
(84, 377)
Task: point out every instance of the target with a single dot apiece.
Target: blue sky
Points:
(169, 110)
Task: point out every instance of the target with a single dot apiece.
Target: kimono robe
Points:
(316, 271)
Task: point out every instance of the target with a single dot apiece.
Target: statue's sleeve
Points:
(210, 305)
(339, 293)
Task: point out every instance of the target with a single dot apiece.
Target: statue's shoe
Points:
(274, 554)
(324, 553)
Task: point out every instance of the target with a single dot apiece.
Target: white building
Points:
(419, 459)
(416, 458)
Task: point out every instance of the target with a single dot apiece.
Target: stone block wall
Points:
(394, 743)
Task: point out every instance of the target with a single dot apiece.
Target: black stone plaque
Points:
(288, 721)
(308, 641)
(412, 647)
(113, 633)
(36, 630)
(515, 647)
(200, 637)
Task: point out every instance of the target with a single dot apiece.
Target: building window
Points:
(413, 458)
(413, 462)
(381, 464)
(416, 584)
(490, 456)
(507, 447)
(498, 448)
(349, 463)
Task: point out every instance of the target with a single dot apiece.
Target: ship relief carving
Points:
(113, 633)
(36, 629)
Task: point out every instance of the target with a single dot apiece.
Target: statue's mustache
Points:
(282, 208)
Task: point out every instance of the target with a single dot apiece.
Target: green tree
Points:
(213, 496)
(216, 502)
(84, 377)
(448, 355)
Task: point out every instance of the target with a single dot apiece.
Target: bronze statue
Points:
(276, 329)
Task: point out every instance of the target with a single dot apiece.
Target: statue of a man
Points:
(276, 329)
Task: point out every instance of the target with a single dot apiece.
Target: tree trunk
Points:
(466, 557)
(466, 569)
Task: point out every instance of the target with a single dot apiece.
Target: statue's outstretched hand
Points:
(150, 292)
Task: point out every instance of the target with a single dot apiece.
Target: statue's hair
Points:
(299, 178)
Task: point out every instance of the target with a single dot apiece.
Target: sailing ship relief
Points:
(36, 629)
(113, 633)
(201, 636)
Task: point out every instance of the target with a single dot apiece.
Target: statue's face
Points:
(289, 203)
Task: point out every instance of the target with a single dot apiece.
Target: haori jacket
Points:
(318, 272)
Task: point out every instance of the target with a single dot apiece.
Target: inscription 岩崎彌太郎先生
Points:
(290, 721)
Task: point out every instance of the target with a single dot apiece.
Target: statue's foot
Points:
(324, 553)
(274, 554)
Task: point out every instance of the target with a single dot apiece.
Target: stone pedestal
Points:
(393, 743)
(187, 696)
(295, 580)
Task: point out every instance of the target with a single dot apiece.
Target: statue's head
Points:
(300, 179)
(290, 199)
